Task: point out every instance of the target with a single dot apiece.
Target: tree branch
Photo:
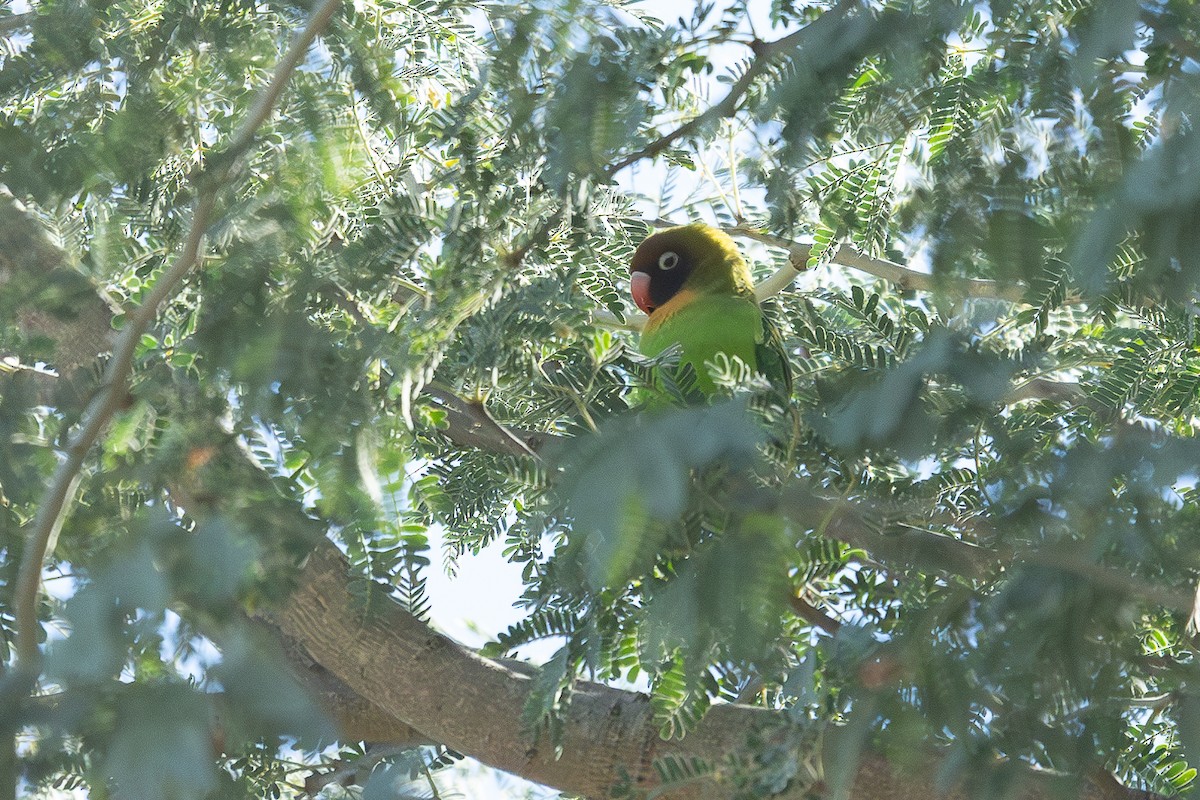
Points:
(30, 259)
(902, 277)
(50, 513)
(784, 276)
(1170, 32)
(15, 22)
(357, 719)
(609, 732)
(1046, 389)
(899, 275)
(609, 736)
(355, 772)
(813, 615)
(765, 54)
(932, 552)
(374, 678)
(470, 425)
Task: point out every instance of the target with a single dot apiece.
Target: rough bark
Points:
(82, 328)
(357, 718)
(61, 317)
(473, 704)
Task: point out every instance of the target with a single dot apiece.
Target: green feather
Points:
(707, 325)
(771, 358)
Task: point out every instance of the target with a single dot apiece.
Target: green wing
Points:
(774, 365)
(771, 357)
(710, 324)
(722, 323)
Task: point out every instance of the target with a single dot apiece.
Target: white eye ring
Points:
(668, 260)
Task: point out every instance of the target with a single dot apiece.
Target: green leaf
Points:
(161, 747)
(215, 561)
(99, 615)
(636, 473)
(263, 700)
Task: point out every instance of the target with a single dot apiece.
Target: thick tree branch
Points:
(32, 262)
(376, 676)
(608, 731)
(609, 738)
(391, 657)
(357, 719)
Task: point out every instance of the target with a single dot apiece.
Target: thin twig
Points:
(283, 72)
(906, 278)
(903, 277)
(928, 551)
(108, 400)
(765, 54)
(1169, 31)
(1047, 389)
(783, 277)
(1109, 578)
(51, 511)
(798, 252)
(606, 319)
(351, 772)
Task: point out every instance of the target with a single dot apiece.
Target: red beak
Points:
(639, 287)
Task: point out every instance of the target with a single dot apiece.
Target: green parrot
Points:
(698, 292)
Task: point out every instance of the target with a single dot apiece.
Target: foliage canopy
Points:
(976, 544)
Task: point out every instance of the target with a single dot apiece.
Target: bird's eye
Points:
(668, 260)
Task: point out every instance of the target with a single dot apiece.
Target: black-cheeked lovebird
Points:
(698, 293)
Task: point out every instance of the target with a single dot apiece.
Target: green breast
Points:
(708, 325)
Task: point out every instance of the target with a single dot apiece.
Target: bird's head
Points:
(697, 256)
